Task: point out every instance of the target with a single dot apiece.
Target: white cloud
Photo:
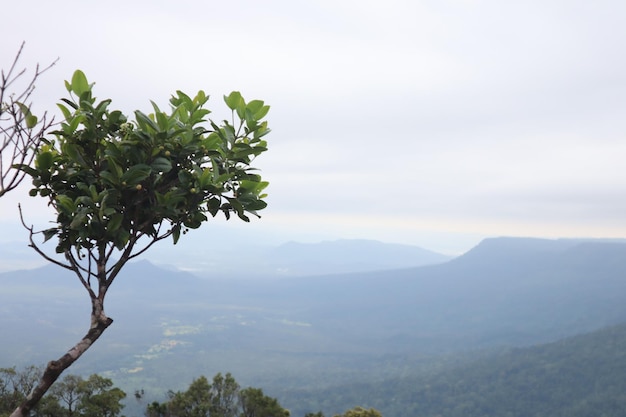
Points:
(481, 117)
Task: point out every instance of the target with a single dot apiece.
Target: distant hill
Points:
(345, 256)
(503, 292)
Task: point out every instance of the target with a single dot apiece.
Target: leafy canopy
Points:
(221, 398)
(113, 180)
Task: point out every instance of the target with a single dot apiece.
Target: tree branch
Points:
(72, 266)
(76, 267)
(19, 136)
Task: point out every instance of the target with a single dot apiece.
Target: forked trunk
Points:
(99, 323)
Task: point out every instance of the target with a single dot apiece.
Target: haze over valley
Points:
(282, 328)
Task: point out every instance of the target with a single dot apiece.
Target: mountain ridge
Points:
(288, 259)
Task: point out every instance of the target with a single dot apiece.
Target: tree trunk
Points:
(99, 323)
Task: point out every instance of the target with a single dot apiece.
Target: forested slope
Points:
(582, 376)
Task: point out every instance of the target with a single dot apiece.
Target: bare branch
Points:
(73, 265)
(76, 267)
(33, 245)
(152, 242)
(20, 131)
(87, 270)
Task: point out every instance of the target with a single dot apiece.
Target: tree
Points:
(256, 404)
(222, 398)
(119, 186)
(68, 392)
(98, 398)
(156, 409)
(10, 395)
(224, 392)
(20, 130)
(218, 399)
(15, 385)
(72, 396)
(49, 406)
(361, 412)
(195, 402)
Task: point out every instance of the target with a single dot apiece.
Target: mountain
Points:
(503, 292)
(345, 256)
(308, 330)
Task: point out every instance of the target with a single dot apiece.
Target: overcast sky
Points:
(435, 123)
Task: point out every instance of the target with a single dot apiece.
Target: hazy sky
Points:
(434, 123)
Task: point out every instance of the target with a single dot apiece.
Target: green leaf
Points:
(162, 120)
(213, 206)
(261, 130)
(258, 109)
(212, 142)
(155, 107)
(198, 116)
(205, 178)
(200, 98)
(70, 103)
(44, 161)
(181, 98)
(114, 223)
(122, 238)
(109, 211)
(145, 122)
(116, 118)
(136, 174)
(31, 121)
(64, 110)
(229, 133)
(254, 106)
(233, 100)
(78, 220)
(253, 206)
(254, 187)
(176, 233)
(114, 172)
(79, 83)
(102, 106)
(27, 169)
(161, 164)
(29, 118)
(49, 234)
(74, 152)
(70, 127)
